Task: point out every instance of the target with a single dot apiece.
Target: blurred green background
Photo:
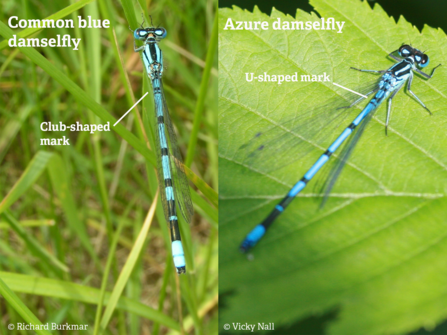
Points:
(70, 215)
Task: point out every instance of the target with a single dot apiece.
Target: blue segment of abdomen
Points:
(166, 167)
(178, 254)
(369, 107)
(334, 146)
(255, 235)
(158, 101)
(297, 188)
(169, 193)
(161, 132)
(314, 169)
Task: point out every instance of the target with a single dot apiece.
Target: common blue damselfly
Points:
(173, 180)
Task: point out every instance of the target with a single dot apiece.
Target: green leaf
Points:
(377, 250)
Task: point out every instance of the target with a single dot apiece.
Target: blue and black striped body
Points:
(392, 80)
(153, 61)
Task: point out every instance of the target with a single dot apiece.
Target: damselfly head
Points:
(143, 33)
(420, 58)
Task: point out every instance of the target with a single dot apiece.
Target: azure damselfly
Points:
(170, 171)
(391, 81)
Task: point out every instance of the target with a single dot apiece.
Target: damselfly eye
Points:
(424, 60)
(140, 34)
(160, 32)
(405, 50)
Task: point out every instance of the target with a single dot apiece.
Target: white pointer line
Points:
(122, 117)
(365, 96)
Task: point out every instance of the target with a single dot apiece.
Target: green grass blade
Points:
(209, 211)
(56, 168)
(207, 191)
(76, 292)
(33, 244)
(20, 307)
(128, 267)
(11, 129)
(198, 112)
(110, 259)
(28, 177)
(29, 223)
(60, 183)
